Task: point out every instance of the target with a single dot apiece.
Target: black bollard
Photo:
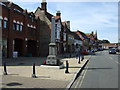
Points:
(67, 65)
(82, 57)
(33, 75)
(5, 70)
(70, 55)
(79, 60)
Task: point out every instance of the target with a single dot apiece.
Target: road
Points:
(100, 72)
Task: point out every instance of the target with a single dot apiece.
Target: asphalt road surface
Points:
(100, 72)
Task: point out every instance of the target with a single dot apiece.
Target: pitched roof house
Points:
(45, 30)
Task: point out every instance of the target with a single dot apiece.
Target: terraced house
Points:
(29, 33)
(45, 29)
(19, 30)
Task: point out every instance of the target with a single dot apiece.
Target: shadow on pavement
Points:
(96, 68)
(24, 61)
(74, 67)
(14, 84)
(43, 76)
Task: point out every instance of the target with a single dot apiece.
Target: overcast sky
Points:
(84, 16)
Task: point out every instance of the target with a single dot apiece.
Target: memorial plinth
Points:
(52, 59)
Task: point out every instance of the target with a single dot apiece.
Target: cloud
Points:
(86, 16)
(65, 0)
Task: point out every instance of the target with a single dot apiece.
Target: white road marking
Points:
(80, 80)
(83, 77)
(112, 59)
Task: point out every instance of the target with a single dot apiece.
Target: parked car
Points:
(117, 50)
(112, 51)
(85, 52)
(95, 49)
(100, 49)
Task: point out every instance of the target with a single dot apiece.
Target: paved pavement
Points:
(20, 73)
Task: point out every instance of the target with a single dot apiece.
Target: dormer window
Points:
(31, 16)
(17, 10)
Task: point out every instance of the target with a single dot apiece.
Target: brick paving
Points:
(20, 73)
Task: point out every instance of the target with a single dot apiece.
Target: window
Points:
(14, 26)
(17, 27)
(0, 23)
(5, 24)
(32, 19)
(55, 31)
(20, 27)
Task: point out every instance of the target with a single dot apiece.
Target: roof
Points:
(57, 17)
(76, 36)
(91, 36)
(63, 23)
(81, 35)
(48, 15)
(110, 45)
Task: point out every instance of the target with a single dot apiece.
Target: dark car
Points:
(112, 51)
(117, 50)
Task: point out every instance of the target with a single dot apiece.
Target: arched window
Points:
(14, 25)
(21, 26)
(18, 25)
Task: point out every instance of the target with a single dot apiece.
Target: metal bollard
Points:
(33, 75)
(79, 60)
(70, 55)
(67, 65)
(5, 70)
(82, 57)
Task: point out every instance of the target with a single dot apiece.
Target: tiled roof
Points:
(91, 36)
(109, 44)
(82, 35)
(49, 16)
(76, 36)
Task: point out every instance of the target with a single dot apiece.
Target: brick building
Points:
(85, 39)
(45, 29)
(93, 41)
(20, 30)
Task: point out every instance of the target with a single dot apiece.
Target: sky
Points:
(85, 16)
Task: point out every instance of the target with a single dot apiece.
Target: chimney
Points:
(58, 13)
(68, 24)
(44, 5)
(92, 33)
